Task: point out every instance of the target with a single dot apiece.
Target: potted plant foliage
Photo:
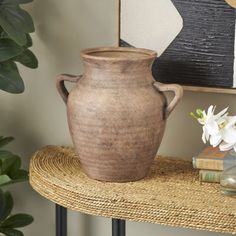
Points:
(15, 26)
(15, 41)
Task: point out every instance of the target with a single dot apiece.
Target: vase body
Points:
(116, 116)
(228, 178)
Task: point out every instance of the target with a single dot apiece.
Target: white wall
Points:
(37, 117)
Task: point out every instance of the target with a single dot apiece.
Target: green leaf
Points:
(4, 179)
(4, 35)
(15, 21)
(10, 171)
(29, 42)
(2, 201)
(14, 170)
(17, 221)
(7, 160)
(11, 232)
(6, 205)
(18, 176)
(27, 58)
(5, 140)
(14, 181)
(10, 79)
(9, 49)
(21, 177)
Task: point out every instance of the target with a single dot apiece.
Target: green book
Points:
(210, 176)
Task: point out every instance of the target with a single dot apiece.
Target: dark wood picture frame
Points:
(194, 88)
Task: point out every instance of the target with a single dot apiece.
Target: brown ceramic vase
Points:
(117, 112)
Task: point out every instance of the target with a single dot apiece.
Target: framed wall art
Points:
(194, 39)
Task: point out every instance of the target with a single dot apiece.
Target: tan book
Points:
(213, 159)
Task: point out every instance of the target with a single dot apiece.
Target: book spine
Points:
(208, 164)
(214, 164)
(210, 176)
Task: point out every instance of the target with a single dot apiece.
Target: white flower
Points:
(219, 129)
(215, 140)
(229, 135)
(227, 146)
(212, 125)
(224, 123)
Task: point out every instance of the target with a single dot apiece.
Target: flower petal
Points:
(229, 135)
(221, 113)
(210, 111)
(231, 120)
(212, 127)
(215, 140)
(226, 146)
(203, 137)
(205, 134)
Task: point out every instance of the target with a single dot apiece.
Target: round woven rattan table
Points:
(170, 195)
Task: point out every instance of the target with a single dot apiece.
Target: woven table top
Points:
(170, 195)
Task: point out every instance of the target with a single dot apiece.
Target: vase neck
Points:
(118, 67)
(126, 73)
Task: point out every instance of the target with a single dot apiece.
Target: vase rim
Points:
(118, 53)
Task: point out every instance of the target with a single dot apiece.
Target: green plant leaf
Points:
(4, 35)
(10, 79)
(9, 49)
(2, 201)
(14, 169)
(21, 176)
(29, 42)
(4, 179)
(7, 160)
(14, 181)
(27, 58)
(5, 140)
(17, 221)
(10, 171)
(11, 232)
(15, 21)
(6, 205)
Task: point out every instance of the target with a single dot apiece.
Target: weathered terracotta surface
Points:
(116, 114)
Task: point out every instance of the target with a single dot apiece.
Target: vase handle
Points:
(178, 91)
(60, 83)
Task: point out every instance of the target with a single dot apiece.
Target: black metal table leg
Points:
(118, 227)
(61, 221)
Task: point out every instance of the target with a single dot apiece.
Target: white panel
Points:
(152, 24)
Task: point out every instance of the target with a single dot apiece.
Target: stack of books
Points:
(211, 162)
